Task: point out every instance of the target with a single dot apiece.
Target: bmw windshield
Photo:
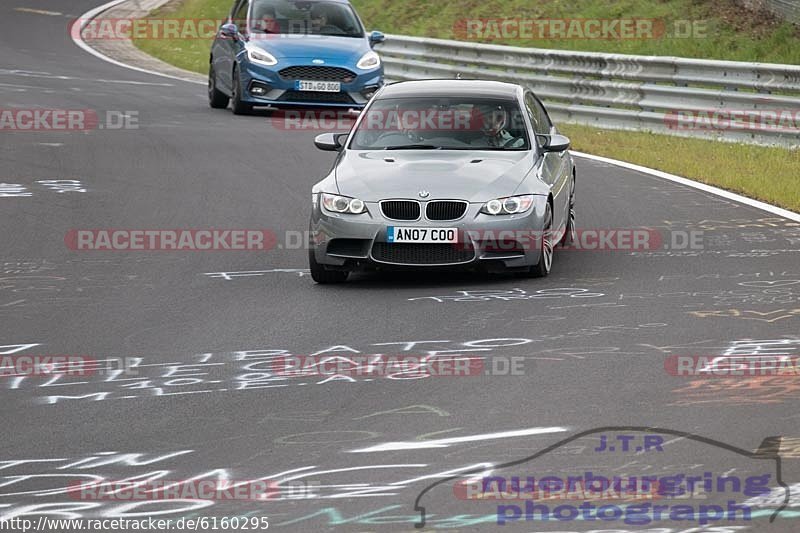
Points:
(441, 123)
(301, 17)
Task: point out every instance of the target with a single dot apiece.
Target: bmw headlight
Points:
(369, 60)
(511, 205)
(260, 56)
(342, 204)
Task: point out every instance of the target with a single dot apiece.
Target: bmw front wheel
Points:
(322, 275)
(545, 244)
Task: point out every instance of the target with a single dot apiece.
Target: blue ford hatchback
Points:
(284, 53)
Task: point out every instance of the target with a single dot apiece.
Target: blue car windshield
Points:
(303, 17)
(442, 123)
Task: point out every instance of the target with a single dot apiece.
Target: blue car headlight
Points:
(342, 204)
(511, 205)
(369, 61)
(260, 56)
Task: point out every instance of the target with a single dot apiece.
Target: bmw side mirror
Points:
(376, 37)
(229, 30)
(554, 143)
(330, 142)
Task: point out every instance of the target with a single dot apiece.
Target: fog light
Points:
(259, 89)
(369, 92)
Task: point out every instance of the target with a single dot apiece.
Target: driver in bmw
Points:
(493, 122)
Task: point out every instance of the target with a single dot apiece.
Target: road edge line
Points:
(87, 17)
(775, 210)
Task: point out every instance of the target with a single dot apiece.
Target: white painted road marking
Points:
(444, 443)
(716, 191)
(38, 11)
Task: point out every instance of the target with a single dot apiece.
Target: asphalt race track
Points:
(590, 341)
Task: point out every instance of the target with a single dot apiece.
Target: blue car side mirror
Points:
(376, 37)
(229, 30)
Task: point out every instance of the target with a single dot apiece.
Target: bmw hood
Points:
(465, 175)
(325, 47)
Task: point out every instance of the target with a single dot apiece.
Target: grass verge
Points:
(189, 54)
(768, 174)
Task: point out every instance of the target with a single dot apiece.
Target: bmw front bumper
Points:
(495, 242)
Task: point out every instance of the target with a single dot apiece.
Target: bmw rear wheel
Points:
(570, 233)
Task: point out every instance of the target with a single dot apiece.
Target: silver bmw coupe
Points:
(444, 174)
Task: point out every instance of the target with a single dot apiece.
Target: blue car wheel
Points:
(237, 105)
(216, 98)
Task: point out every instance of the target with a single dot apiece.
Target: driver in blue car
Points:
(323, 19)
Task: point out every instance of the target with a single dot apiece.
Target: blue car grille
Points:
(315, 97)
(422, 254)
(317, 74)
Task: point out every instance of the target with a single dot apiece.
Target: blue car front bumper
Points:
(277, 86)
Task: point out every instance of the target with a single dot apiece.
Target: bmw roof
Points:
(451, 87)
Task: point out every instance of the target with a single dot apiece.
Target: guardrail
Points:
(759, 102)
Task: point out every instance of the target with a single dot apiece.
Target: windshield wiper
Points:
(414, 147)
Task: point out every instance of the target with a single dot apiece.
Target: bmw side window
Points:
(541, 122)
(539, 127)
(531, 112)
(544, 118)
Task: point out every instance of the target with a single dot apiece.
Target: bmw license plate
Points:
(421, 235)
(318, 86)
